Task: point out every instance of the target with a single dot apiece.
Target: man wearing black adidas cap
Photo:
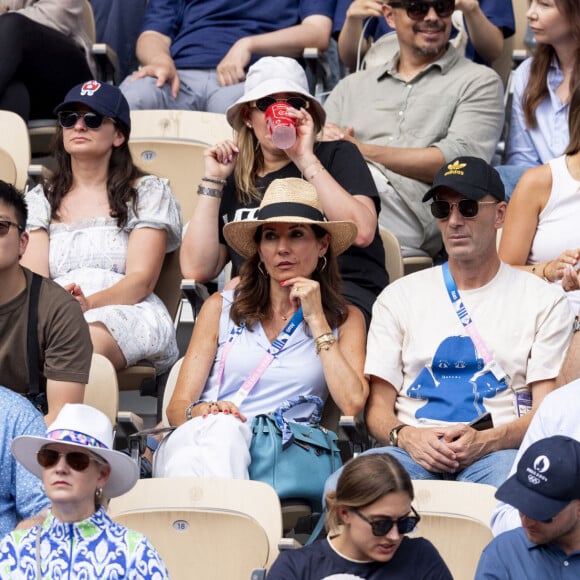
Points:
(450, 344)
(546, 490)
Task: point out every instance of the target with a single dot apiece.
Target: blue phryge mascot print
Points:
(456, 384)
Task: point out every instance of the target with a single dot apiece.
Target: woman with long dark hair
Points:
(287, 299)
(101, 228)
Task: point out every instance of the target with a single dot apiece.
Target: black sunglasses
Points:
(468, 208)
(5, 227)
(68, 119)
(76, 460)
(295, 102)
(382, 526)
(418, 10)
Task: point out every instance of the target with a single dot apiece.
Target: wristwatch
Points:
(576, 324)
(394, 435)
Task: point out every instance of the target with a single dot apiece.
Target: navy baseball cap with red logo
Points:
(102, 98)
(546, 480)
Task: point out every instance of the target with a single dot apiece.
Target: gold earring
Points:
(263, 272)
(323, 267)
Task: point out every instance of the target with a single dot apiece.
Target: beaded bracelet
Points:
(211, 191)
(214, 180)
(324, 342)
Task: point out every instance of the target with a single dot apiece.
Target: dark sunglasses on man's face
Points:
(295, 102)
(382, 526)
(418, 10)
(5, 227)
(468, 208)
(76, 460)
(68, 119)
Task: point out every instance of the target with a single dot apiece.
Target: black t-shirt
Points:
(363, 270)
(415, 559)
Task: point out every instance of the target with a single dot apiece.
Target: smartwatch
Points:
(394, 435)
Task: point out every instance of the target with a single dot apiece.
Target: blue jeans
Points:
(510, 175)
(199, 90)
(492, 468)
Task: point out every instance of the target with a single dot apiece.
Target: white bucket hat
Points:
(84, 427)
(271, 75)
(290, 200)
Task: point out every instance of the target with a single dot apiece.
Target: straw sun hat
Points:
(271, 75)
(87, 429)
(291, 200)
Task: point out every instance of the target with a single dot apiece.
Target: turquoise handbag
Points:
(294, 457)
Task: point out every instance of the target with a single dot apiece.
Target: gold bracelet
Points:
(324, 341)
(544, 271)
(320, 168)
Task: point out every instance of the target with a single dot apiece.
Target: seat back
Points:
(102, 390)
(181, 162)
(393, 256)
(14, 139)
(7, 167)
(207, 528)
(196, 126)
(455, 518)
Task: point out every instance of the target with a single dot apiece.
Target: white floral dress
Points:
(92, 253)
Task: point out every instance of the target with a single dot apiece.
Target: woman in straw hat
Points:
(368, 519)
(79, 469)
(290, 280)
(238, 172)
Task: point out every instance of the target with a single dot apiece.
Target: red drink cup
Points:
(282, 128)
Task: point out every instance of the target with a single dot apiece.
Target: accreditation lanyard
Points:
(275, 348)
(468, 324)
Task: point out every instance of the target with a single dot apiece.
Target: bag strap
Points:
(317, 529)
(32, 336)
(469, 324)
(275, 348)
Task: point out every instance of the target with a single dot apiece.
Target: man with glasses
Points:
(487, 22)
(545, 489)
(45, 351)
(459, 356)
(424, 107)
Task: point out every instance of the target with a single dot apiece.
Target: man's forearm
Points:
(153, 47)
(313, 32)
(420, 163)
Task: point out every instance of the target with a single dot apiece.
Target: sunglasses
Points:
(295, 102)
(418, 10)
(382, 526)
(5, 227)
(76, 460)
(468, 208)
(68, 119)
